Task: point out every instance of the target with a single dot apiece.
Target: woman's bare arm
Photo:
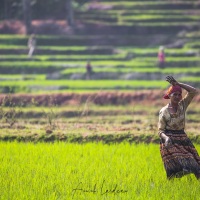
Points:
(188, 88)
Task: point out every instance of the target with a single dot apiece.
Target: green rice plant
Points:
(153, 50)
(162, 24)
(176, 70)
(14, 77)
(20, 47)
(85, 84)
(193, 44)
(193, 34)
(190, 79)
(147, 3)
(154, 16)
(137, 11)
(64, 58)
(90, 171)
(118, 70)
(28, 65)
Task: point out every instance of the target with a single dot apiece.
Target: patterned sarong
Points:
(181, 157)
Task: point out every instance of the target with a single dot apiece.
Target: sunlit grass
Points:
(152, 69)
(136, 62)
(14, 77)
(81, 84)
(57, 171)
(190, 78)
(64, 57)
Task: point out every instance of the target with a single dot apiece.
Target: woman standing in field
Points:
(161, 58)
(177, 151)
(31, 45)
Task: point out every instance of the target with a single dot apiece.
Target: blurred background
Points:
(92, 45)
(92, 67)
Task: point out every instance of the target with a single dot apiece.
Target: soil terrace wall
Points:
(102, 98)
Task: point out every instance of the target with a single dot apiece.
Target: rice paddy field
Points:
(121, 40)
(90, 171)
(88, 151)
(64, 135)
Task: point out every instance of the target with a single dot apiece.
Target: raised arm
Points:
(188, 88)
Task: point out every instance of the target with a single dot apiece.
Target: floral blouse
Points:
(174, 121)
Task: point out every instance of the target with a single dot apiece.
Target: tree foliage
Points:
(51, 9)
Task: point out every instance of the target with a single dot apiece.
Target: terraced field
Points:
(93, 131)
(121, 40)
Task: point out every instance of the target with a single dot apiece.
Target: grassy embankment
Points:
(82, 123)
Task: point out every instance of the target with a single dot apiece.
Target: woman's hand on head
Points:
(171, 80)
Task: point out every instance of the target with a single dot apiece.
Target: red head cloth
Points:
(171, 90)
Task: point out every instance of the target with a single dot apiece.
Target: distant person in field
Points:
(161, 58)
(88, 70)
(177, 151)
(31, 45)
